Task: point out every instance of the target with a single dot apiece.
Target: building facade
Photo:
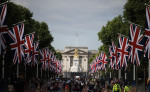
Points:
(67, 57)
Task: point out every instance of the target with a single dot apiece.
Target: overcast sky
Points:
(65, 18)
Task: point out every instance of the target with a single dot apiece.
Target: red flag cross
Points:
(35, 53)
(3, 29)
(110, 57)
(44, 59)
(115, 56)
(134, 43)
(49, 59)
(103, 60)
(17, 43)
(123, 51)
(28, 45)
(147, 33)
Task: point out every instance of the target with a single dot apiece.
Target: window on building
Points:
(80, 60)
(71, 61)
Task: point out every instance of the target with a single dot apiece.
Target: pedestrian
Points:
(60, 86)
(51, 87)
(48, 85)
(10, 87)
(38, 88)
(148, 83)
(116, 87)
(127, 87)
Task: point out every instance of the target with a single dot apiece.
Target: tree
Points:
(59, 55)
(110, 32)
(16, 14)
(134, 11)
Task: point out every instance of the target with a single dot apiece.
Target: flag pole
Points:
(119, 74)
(37, 71)
(17, 70)
(149, 69)
(149, 73)
(110, 74)
(3, 82)
(38, 60)
(25, 70)
(3, 69)
(41, 73)
(133, 75)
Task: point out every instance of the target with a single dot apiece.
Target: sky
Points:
(66, 18)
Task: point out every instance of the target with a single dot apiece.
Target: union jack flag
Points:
(110, 57)
(123, 49)
(147, 33)
(35, 53)
(44, 59)
(136, 44)
(28, 47)
(103, 60)
(16, 44)
(114, 56)
(3, 28)
(49, 59)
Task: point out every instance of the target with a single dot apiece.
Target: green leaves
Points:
(110, 32)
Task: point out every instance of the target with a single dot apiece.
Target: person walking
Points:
(127, 87)
(116, 87)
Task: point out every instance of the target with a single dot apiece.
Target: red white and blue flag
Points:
(103, 60)
(136, 43)
(3, 28)
(35, 53)
(110, 57)
(16, 43)
(123, 49)
(28, 47)
(44, 58)
(114, 56)
(147, 33)
(49, 59)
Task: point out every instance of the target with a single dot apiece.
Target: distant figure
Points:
(148, 83)
(10, 87)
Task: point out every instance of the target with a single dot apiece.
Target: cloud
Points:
(67, 17)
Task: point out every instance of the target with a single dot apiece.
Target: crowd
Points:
(69, 85)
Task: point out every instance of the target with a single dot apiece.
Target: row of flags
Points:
(25, 49)
(49, 61)
(99, 63)
(128, 48)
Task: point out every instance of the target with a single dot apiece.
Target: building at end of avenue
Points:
(67, 60)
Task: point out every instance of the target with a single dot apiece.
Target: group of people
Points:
(69, 85)
(19, 84)
(65, 85)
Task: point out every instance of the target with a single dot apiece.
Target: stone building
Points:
(67, 57)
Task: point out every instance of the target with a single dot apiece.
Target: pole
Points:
(133, 75)
(25, 70)
(37, 71)
(3, 68)
(149, 69)
(149, 74)
(119, 74)
(17, 70)
(41, 73)
(110, 74)
(3, 82)
(125, 76)
(76, 39)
